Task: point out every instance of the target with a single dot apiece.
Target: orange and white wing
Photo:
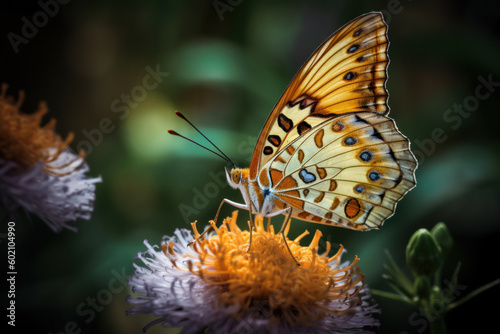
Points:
(328, 149)
(346, 74)
(348, 171)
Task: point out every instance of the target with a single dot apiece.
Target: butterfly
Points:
(328, 153)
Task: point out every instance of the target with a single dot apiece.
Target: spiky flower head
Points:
(218, 286)
(38, 171)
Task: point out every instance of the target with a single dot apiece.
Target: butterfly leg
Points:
(283, 228)
(239, 206)
(252, 225)
(235, 204)
(288, 212)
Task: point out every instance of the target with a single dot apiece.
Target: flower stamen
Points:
(262, 289)
(24, 141)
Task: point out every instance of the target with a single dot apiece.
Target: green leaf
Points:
(454, 281)
(472, 295)
(391, 295)
(398, 275)
(397, 279)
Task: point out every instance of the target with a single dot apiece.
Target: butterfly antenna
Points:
(194, 127)
(224, 156)
(172, 132)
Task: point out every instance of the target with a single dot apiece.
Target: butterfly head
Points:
(236, 177)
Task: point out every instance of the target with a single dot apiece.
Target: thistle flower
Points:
(38, 171)
(216, 286)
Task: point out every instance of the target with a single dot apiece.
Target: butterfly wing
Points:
(347, 73)
(349, 170)
(328, 149)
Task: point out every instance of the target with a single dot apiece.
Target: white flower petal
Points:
(55, 199)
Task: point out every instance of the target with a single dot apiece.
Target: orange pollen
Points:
(298, 294)
(24, 141)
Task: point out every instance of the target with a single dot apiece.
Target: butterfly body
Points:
(328, 153)
(260, 200)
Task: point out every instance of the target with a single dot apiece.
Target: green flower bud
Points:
(423, 253)
(443, 237)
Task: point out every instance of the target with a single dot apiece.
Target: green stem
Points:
(438, 326)
(437, 275)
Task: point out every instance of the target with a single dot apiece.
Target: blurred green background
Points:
(225, 72)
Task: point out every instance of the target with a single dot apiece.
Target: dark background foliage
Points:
(226, 71)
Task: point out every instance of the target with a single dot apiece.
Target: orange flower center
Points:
(298, 294)
(23, 140)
